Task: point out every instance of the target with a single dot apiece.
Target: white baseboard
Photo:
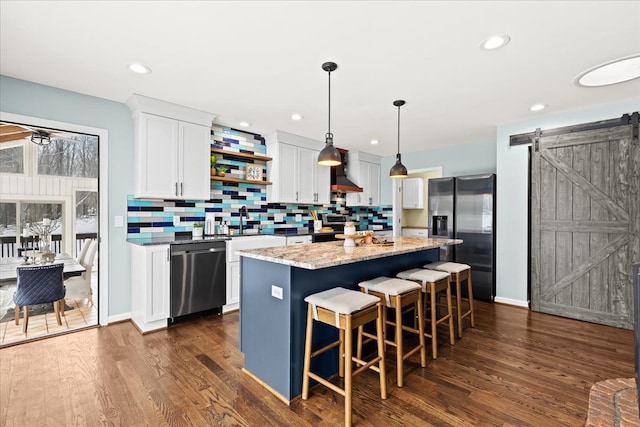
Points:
(510, 301)
(119, 317)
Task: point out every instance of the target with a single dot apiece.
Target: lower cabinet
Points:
(150, 277)
(233, 263)
(415, 232)
(233, 285)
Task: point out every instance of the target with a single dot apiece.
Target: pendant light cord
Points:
(398, 129)
(329, 131)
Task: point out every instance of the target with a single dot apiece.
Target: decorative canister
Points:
(349, 228)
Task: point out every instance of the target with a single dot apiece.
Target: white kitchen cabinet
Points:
(364, 170)
(413, 193)
(233, 263)
(294, 172)
(171, 150)
(299, 240)
(415, 232)
(150, 278)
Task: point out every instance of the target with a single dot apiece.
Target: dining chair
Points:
(39, 284)
(83, 250)
(79, 287)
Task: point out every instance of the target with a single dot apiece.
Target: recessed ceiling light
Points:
(374, 142)
(139, 68)
(537, 107)
(609, 73)
(495, 41)
(296, 116)
(245, 124)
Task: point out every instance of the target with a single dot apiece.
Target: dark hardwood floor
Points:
(516, 368)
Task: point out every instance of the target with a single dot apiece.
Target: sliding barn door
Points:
(585, 223)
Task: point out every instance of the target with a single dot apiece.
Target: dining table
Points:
(9, 265)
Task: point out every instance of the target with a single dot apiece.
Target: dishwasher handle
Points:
(198, 251)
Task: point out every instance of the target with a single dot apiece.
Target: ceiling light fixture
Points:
(374, 142)
(609, 73)
(537, 107)
(296, 116)
(398, 170)
(40, 138)
(495, 41)
(139, 68)
(245, 124)
(329, 156)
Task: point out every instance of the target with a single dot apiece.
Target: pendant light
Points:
(398, 170)
(329, 156)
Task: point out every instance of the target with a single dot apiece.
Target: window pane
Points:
(76, 155)
(7, 219)
(86, 212)
(34, 213)
(12, 159)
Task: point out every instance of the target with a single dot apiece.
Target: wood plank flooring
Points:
(516, 368)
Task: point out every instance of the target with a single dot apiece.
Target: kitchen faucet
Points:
(243, 212)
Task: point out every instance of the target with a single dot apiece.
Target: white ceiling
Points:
(260, 61)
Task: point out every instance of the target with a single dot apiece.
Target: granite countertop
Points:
(329, 254)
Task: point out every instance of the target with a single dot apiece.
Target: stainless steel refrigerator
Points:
(464, 208)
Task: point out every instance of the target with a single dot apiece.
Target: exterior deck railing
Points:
(9, 246)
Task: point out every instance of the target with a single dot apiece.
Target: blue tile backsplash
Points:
(154, 218)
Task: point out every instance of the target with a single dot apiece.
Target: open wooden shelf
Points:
(246, 181)
(242, 155)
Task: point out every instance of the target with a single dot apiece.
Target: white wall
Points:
(463, 159)
(512, 187)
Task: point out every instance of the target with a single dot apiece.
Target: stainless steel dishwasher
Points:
(198, 277)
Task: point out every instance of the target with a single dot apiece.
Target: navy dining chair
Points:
(39, 284)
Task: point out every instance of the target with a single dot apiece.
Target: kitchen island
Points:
(274, 283)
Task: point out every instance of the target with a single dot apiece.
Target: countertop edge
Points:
(432, 243)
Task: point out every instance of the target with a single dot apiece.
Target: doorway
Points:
(52, 174)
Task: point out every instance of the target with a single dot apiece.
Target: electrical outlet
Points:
(118, 221)
(276, 291)
(176, 220)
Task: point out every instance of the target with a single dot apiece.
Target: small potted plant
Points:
(221, 170)
(214, 160)
(197, 230)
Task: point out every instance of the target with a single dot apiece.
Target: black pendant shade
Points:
(398, 170)
(329, 156)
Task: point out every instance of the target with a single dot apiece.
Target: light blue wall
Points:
(30, 99)
(512, 184)
(464, 159)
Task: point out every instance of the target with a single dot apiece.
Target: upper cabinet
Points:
(171, 150)
(364, 170)
(413, 193)
(294, 172)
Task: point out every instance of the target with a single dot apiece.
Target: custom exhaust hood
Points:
(339, 181)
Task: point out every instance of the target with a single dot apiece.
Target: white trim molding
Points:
(103, 188)
(510, 301)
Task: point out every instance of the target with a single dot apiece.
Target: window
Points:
(86, 213)
(76, 155)
(12, 159)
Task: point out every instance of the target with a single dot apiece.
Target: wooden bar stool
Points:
(346, 310)
(397, 294)
(432, 283)
(458, 272)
